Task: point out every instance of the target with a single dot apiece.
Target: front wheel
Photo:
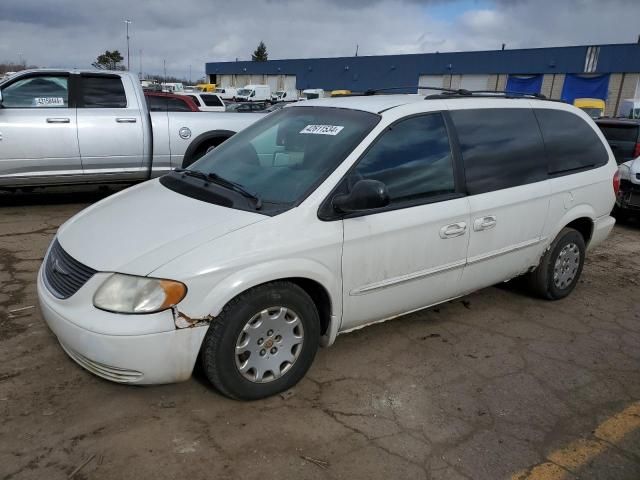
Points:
(263, 342)
(560, 267)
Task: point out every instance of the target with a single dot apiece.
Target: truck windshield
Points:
(244, 92)
(282, 157)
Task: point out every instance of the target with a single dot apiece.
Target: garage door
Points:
(289, 82)
(474, 82)
(225, 80)
(272, 81)
(430, 81)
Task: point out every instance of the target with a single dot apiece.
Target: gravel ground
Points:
(497, 385)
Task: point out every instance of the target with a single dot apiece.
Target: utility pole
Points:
(164, 67)
(140, 59)
(127, 23)
(190, 75)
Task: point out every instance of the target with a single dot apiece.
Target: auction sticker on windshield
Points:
(322, 129)
(49, 101)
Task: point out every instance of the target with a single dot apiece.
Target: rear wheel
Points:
(560, 267)
(263, 342)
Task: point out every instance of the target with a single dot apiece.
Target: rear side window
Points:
(211, 100)
(177, 105)
(501, 148)
(620, 133)
(103, 92)
(412, 158)
(156, 104)
(570, 143)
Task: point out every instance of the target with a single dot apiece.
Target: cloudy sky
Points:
(71, 33)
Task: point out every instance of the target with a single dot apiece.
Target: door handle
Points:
(58, 120)
(484, 223)
(126, 120)
(453, 230)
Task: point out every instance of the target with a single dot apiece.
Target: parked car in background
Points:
(312, 93)
(623, 136)
(169, 102)
(285, 96)
(75, 126)
(206, 102)
(206, 87)
(276, 106)
(594, 107)
(246, 107)
(629, 108)
(254, 93)
(172, 87)
(190, 88)
(226, 93)
(628, 198)
(324, 217)
(340, 93)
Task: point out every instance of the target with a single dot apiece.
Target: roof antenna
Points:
(504, 45)
(358, 46)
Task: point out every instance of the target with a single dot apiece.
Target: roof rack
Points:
(462, 93)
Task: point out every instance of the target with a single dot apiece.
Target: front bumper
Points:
(145, 358)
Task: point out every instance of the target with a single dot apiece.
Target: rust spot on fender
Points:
(182, 320)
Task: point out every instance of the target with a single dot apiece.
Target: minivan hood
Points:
(142, 228)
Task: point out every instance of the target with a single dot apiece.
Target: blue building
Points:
(609, 72)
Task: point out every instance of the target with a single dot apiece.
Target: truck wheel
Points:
(263, 341)
(560, 267)
(202, 149)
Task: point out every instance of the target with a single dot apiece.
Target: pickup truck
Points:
(60, 127)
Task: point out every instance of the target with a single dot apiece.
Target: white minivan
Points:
(321, 218)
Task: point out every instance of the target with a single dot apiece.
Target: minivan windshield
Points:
(282, 157)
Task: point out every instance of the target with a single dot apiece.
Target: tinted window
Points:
(570, 142)
(177, 105)
(211, 100)
(501, 148)
(620, 133)
(42, 91)
(103, 92)
(195, 99)
(412, 158)
(156, 104)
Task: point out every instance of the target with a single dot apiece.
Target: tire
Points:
(543, 281)
(203, 149)
(235, 326)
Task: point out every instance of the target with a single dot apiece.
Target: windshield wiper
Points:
(217, 179)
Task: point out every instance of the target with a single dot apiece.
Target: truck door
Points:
(110, 127)
(38, 136)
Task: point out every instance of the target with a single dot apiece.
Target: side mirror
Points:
(365, 195)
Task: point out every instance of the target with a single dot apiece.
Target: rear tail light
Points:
(636, 151)
(616, 182)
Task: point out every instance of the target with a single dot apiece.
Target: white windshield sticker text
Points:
(48, 101)
(322, 129)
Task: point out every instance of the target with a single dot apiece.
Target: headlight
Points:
(129, 294)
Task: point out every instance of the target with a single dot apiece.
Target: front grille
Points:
(115, 374)
(63, 274)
